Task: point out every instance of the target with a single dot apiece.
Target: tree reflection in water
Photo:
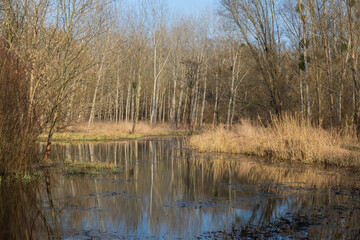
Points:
(22, 211)
(164, 190)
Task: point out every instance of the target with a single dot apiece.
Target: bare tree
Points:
(258, 24)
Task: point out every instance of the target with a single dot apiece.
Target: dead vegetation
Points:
(102, 131)
(287, 138)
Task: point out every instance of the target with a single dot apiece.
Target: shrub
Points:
(18, 130)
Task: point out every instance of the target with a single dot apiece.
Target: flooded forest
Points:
(129, 120)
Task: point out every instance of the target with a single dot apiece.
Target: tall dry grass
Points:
(113, 131)
(286, 138)
(123, 127)
(216, 139)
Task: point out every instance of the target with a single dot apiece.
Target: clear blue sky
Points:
(181, 7)
(191, 6)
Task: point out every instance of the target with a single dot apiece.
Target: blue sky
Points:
(181, 7)
(193, 7)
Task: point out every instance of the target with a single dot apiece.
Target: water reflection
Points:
(21, 213)
(167, 191)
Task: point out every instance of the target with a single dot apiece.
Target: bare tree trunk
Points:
(231, 89)
(343, 76)
(184, 112)
(160, 105)
(92, 112)
(173, 102)
(301, 96)
(110, 108)
(328, 65)
(178, 119)
(132, 113)
(215, 118)
(122, 105)
(157, 109)
(203, 99)
(164, 108)
(197, 101)
(308, 103)
(233, 108)
(50, 135)
(318, 93)
(169, 102)
(354, 67)
(69, 110)
(340, 101)
(117, 97)
(191, 105)
(102, 62)
(137, 97)
(304, 23)
(101, 101)
(154, 102)
(194, 105)
(146, 107)
(127, 107)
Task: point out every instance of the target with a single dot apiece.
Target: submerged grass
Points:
(285, 139)
(105, 131)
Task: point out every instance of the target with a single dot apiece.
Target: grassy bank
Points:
(107, 131)
(285, 139)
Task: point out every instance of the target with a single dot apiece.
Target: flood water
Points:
(164, 190)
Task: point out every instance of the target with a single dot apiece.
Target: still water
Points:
(163, 190)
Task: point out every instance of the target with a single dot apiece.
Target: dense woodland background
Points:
(69, 61)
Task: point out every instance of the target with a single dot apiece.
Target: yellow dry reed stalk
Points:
(286, 138)
(217, 139)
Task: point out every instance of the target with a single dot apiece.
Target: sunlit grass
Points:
(285, 139)
(107, 131)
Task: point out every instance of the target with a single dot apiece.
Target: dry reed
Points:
(286, 138)
(113, 131)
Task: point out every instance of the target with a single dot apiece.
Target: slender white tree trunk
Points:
(121, 106)
(184, 112)
(204, 99)
(178, 119)
(117, 98)
(137, 101)
(92, 112)
(153, 105)
(231, 98)
(216, 101)
(233, 108)
(127, 108)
